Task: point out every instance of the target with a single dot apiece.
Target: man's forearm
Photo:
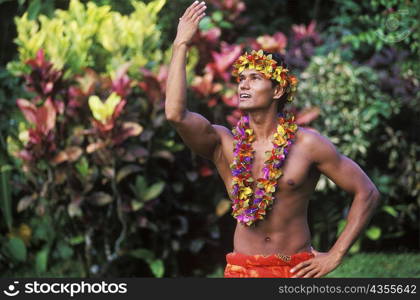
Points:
(175, 104)
(361, 211)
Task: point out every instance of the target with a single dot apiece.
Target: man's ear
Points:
(278, 91)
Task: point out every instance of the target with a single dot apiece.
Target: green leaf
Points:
(141, 186)
(390, 210)
(77, 240)
(154, 191)
(41, 260)
(16, 249)
(137, 205)
(157, 268)
(142, 253)
(34, 9)
(127, 170)
(5, 197)
(100, 198)
(355, 248)
(217, 16)
(64, 251)
(340, 226)
(225, 24)
(82, 166)
(373, 233)
(206, 24)
(44, 231)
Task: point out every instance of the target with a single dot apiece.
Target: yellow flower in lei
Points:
(265, 64)
(245, 192)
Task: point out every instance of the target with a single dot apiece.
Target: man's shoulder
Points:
(315, 144)
(223, 131)
(308, 136)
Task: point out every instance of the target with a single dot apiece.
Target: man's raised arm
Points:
(196, 131)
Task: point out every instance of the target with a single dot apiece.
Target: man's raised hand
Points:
(188, 23)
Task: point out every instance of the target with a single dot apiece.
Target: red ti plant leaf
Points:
(230, 98)
(223, 60)
(205, 171)
(127, 129)
(46, 114)
(25, 155)
(96, 146)
(121, 84)
(252, 43)
(234, 117)
(307, 115)
(43, 79)
(28, 109)
(41, 136)
(42, 117)
(154, 85)
(77, 94)
(205, 86)
(275, 44)
(71, 153)
(212, 102)
(233, 8)
(306, 32)
(206, 41)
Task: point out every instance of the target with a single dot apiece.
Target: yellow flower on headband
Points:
(267, 66)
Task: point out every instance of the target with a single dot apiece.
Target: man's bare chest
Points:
(297, 171)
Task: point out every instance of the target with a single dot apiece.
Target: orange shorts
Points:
(262, 266)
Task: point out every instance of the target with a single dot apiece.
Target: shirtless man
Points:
(282, 238)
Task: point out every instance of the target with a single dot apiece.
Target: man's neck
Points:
(264, 124)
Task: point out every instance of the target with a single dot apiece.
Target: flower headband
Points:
(267, 66)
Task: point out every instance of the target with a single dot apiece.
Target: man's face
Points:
(254, 90)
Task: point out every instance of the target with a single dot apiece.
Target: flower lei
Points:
(267, 66)
(245, 209)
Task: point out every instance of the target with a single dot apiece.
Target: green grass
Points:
(379, 265)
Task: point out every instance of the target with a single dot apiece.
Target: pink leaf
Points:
(225, 58)
(28, 109)
(308, 115)
(45, 119)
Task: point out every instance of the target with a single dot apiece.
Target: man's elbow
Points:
(374, 197)
(174, 117)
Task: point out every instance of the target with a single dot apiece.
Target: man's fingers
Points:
(194, 8)
(199, 15)
(299, 266)
(311, 273)
(302, 268)
(304, 271)
(188, 10)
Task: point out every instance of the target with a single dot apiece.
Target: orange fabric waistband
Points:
(263, 266)
(244, 260)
